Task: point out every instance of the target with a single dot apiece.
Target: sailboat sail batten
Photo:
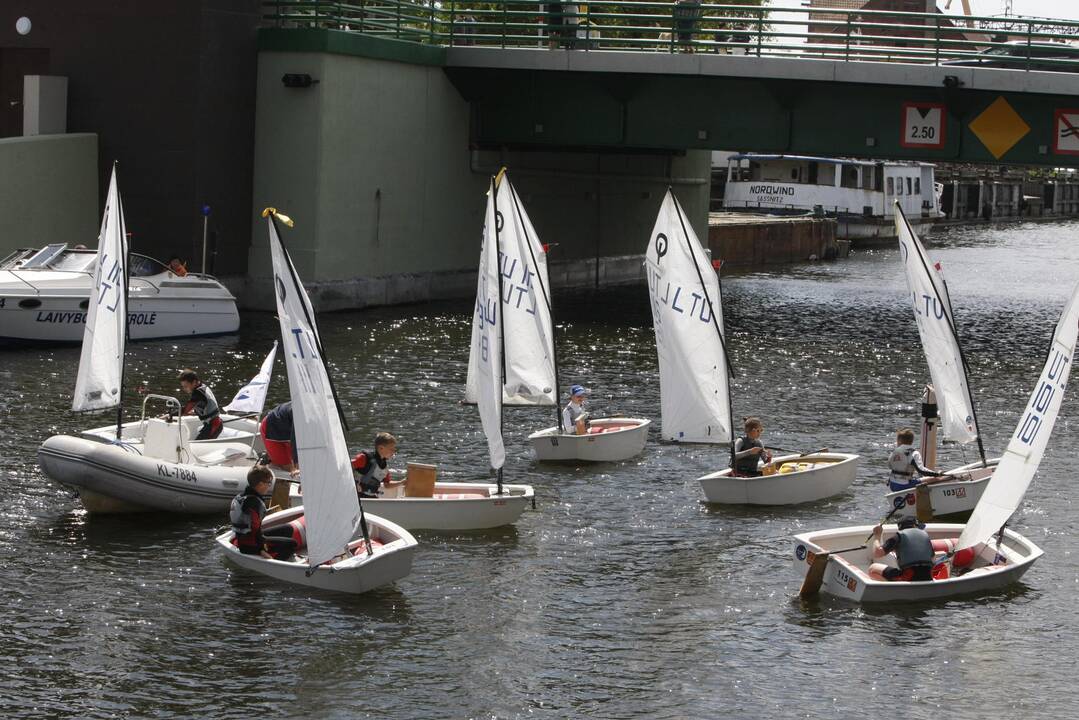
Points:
(98, 384)
(936, 328)
(686, 314)
(522, 262)
(1020, 461)
(331, 508)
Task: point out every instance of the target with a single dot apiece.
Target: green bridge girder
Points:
(549, 99)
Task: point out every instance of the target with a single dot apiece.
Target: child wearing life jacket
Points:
(574, 416)
(202, 403)
(246, 513)
(904, 461)
(370, 467)
(749, 450)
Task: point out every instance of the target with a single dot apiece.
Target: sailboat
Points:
(329, 554)
(419, 505)
(694, 372)
(837, 561)
(155, 466)
(953, 499)
(531, 361)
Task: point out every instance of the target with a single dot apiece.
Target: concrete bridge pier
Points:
(376, 161)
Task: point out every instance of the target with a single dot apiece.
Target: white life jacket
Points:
(901, 460)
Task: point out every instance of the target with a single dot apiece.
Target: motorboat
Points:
(163, 473)
(339, 546)
(45, 295)
(156, 466)
(790, 479)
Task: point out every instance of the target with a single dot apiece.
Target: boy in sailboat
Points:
(246, 513)
(372, 473)
(904, 461)
(749, 450)
(574, 416)
(913, 550)
(202, 403)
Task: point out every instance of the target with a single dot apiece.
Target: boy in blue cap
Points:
(574, 416)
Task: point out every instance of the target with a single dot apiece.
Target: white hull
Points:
(951, 501)
(621, 439)
(111, 478)
(360, 573)
(454, 506)
(786, 488)
(846, 575)
(236, 430)
(50, 306)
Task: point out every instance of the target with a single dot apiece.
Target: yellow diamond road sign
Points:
(999, 127)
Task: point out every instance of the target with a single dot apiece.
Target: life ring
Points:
(299, 531)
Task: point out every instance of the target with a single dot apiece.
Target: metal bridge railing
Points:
(691, 26)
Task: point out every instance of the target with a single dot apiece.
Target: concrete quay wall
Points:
(375, 163)
(48, 191)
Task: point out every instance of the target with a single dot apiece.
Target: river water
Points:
(621, 595)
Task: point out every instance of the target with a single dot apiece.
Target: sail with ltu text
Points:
(331, 507)
(487, 323)
(526, 307)
(936, 327)
(101, 365)
(687, 314)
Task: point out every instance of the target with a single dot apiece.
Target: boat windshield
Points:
(142, 266)
(75, 261)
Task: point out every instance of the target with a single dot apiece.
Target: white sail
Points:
(97, 386)
(1020, 461)
(330, 505)
(252, 397)
(486, 343)
(530, 369)
(693, 387)
(936, 326)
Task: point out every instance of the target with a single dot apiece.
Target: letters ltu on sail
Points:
(252, 396)
(97, 386)
(694, 393)
(529, 339)
(329, 493)
(1025, 449)
(936, 326)
(486, 343)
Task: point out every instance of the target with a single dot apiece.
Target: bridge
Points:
(396, 112)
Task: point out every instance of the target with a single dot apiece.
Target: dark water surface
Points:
(621, 596)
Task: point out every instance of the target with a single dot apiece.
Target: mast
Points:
(127, 329)
(712, 309)
(500, 317)
(550, 310)
(951, 326)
